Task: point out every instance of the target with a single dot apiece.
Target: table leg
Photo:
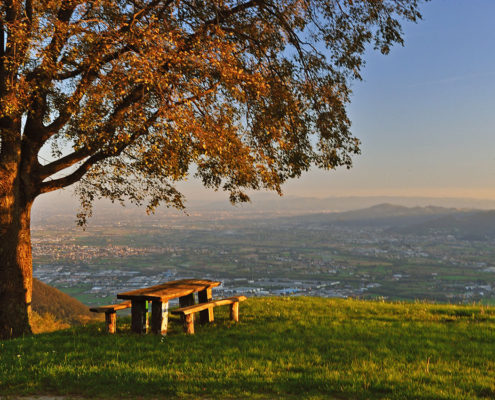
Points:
(159, 317)
(185, 301)
(148, 311)
(188, 300)
(138, 316)
(205, 316)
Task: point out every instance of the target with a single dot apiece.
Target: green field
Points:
(290, 348)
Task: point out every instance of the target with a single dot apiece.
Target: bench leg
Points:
(139, 316)
(205, 316)
(159, 317)
(189, 324)
(111, 321)
(234, 311)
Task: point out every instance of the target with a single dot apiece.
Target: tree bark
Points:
(15, 255)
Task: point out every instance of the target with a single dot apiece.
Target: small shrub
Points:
(46, 322)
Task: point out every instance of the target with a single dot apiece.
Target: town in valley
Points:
(380, 252)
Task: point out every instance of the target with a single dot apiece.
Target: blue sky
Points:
(425, 113)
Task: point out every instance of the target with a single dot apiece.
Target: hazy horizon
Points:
(63, 203)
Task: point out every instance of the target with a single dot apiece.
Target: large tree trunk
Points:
(15, 254)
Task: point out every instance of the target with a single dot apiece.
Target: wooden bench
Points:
(111, 314)
(187, 313)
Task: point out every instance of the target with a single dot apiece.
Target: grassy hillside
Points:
(290, 348)
(53, 309)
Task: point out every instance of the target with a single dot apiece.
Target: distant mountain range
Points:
(463, 224)
(388, 211)
(475, 225)
(264, 202)
(383, 215)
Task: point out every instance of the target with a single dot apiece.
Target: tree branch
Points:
(29, 10)
(138, 15)
(11, 10)
(2, 59)
(223, 15)
(90, 71)
(75, 176)
(10, 17)
(85, 68)
(63, 163)
(58, 39)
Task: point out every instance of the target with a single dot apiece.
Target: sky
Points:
(425, 113)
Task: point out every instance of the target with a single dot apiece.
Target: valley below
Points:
(384, 251)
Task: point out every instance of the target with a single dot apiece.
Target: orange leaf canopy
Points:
(133, 95)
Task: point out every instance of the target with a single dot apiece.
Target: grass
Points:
(294, 348)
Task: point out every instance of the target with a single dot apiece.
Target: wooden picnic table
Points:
(160, 295)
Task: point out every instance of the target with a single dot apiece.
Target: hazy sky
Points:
(425, 113)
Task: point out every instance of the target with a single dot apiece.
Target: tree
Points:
(129, 95)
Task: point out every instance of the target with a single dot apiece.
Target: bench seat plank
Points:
(187, 313)
(111, 314)
(203, 306)
(111, 307)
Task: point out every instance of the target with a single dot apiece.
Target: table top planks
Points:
(169, 290)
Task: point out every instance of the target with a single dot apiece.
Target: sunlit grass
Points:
(282, 348)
